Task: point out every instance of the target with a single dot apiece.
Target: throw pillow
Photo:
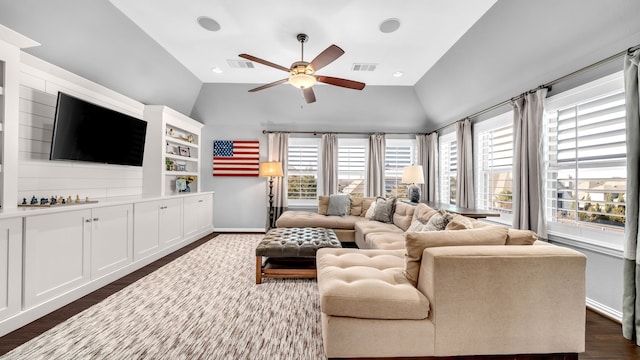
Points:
(438, 221)
(323, 204)
(366, 205)
(459, 222)
(339, 204)
(521, 237)
(370, 211)
(423, 212)
(416, 242)
(384, 210)
(416, 225)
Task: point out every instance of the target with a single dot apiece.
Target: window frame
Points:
(354, 142)
(413, 155)
(300, 141)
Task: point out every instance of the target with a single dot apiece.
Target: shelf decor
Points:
(236, 157)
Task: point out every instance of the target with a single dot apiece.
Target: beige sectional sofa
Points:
(475, 290)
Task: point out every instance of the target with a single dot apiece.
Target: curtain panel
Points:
(329, 148)
(374, 185)
(428, 158)
(631, 267)
(278, 151)
(527, 193)
(465, 196)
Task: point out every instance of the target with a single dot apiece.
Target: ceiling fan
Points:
(303, 73)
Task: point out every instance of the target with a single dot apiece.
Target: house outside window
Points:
(399, 153)
(302, 171)
(493, 143)
(586, 162)
(448, 165)
(351, 166)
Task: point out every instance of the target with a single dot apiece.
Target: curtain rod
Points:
(342, 132)
(547, 85)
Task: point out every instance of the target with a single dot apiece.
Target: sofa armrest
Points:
(505, 299)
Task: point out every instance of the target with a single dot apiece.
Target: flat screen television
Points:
(84, 131)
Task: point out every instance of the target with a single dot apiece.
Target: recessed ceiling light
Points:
(217, 70)
(208, 23)
(389, 25)
(398, 74)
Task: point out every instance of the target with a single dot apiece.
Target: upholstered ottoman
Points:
(291, 252)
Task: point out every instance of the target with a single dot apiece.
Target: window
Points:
(399, 153)
(493, 142)
(351, 166)
(448, 164)
(302, 170)
(586, 161)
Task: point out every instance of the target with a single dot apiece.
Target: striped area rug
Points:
(203, 305)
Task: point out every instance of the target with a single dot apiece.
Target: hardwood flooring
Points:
(603, 336)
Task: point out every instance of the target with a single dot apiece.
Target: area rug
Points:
(203, 305)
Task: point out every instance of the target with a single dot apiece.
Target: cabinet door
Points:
(56, 254)
(171, 221)
(111, 239)
(10, 267)
(146, 234)
(197, 214)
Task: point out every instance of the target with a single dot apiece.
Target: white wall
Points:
(230, 112)
(40, 177)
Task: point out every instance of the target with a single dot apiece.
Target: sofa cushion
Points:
(416, 242)
(339, 205)
(367, 284)
(293, 218)
(360, 205)
(459, 222)
(384, 209)
(403, 215)
(364, 228)
(438, 221)
(416, 225)
(385, 240)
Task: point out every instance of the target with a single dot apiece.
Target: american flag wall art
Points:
(236, 157)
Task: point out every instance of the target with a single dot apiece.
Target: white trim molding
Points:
(604, 310)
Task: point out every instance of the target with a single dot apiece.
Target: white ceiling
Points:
(268, 29)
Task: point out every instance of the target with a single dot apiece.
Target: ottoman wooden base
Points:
(290, 252)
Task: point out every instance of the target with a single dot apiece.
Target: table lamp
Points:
(270, 169)
(413, 175)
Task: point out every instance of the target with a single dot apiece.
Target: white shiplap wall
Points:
(40, 177)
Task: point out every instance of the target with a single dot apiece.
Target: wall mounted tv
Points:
(87, 132)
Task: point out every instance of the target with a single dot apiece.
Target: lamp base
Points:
(414, 193)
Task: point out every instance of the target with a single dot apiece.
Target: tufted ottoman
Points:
(291, 252)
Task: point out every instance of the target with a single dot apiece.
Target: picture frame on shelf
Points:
(182, 166)
(184, 151)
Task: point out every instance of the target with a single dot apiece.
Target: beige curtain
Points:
(631, 268)
(375, 166)
(279, 151)
(528, 196)
(465, 196)
(428, 158)
(329, 146)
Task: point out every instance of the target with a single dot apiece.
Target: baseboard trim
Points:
(604, 310)
(240, 230)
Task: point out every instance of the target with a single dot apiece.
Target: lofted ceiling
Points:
(268, 29)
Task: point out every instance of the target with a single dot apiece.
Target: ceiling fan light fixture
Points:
(302, 81)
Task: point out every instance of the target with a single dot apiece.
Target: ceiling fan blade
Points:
(326, 57)
(263, 62)
(266, 86)
(356, 85)
(309, 95)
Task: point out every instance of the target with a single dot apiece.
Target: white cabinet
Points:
(66, 250)
(56, 254)
(157, 225)
(111, 239)
(172, 151)
(198, 214)
(10, 267)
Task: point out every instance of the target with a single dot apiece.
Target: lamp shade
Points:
(413, 175)
(270, 168)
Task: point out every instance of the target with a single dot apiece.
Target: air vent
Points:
(240, 64)
(363, 67)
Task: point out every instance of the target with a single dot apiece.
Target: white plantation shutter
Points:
(351, 166)
(399, 153)
(302, 169)
(586, 176)
(448, 168)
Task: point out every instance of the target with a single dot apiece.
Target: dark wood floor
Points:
(603, 336)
